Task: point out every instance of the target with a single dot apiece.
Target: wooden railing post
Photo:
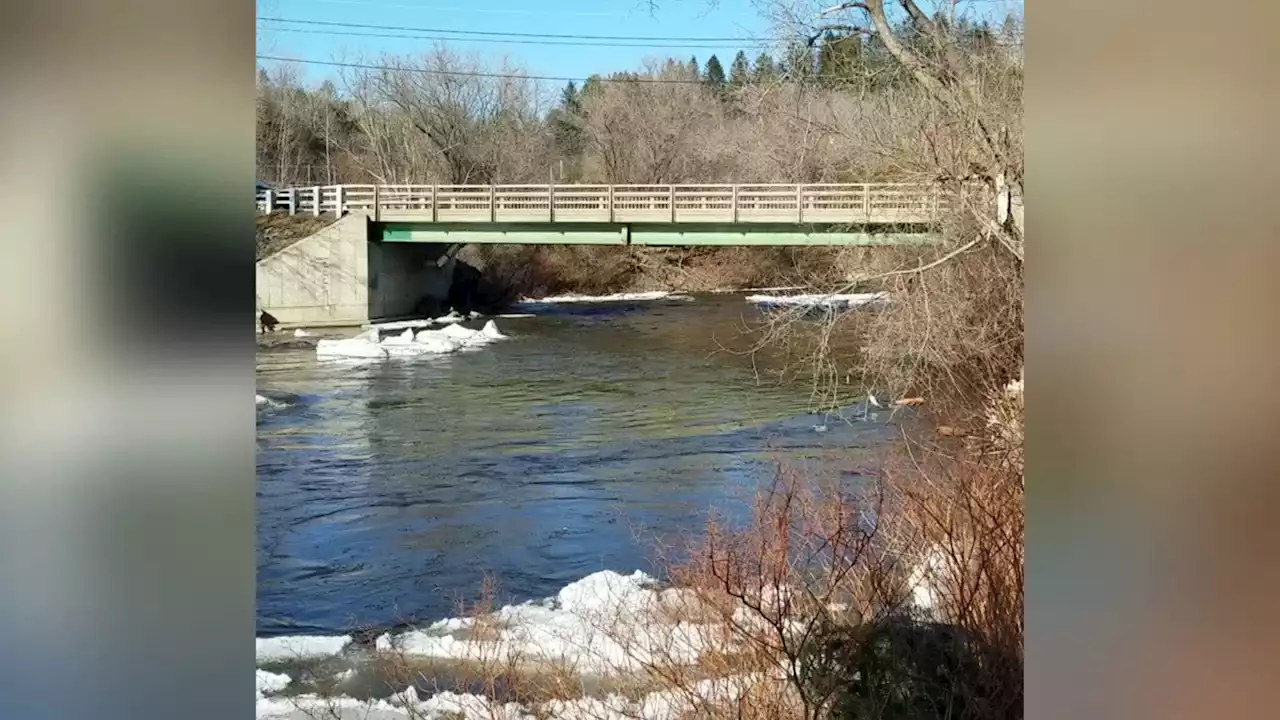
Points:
(611, 215)
(735, 203)
(551, 203)
(435, 203)
(800, 204)
(377, 203)
(866, 203)
(293, 201)
(671, 200)
(493, 203)
(315, 198)
(271, 204)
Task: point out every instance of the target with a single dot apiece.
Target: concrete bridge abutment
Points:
(345, 275)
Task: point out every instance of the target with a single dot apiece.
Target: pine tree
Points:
(739, 70)
(714, 75)
(694, 70)
(566, 122)
(593, 85)
(765, 71)
(840, 58)
(570, 99)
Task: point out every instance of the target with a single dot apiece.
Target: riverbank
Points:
(533, 271)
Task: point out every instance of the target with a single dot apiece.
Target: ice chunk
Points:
(300, 647)
(269, 682)
(616, 297)
(356, 347)
(821, 300)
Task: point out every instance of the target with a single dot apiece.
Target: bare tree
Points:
(958, 83)
(651, 128)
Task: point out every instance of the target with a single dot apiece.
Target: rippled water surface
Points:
(386, 490)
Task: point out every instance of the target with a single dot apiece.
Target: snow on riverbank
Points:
(448, 339)
(829, 300)
(604, 625)
(616, 297)
(660, 705)
(269, 682)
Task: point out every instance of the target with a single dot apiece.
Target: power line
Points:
(549, 39)
(495, 33)
(633, 79)
(513, 41)
(476, 9)
(476, 73)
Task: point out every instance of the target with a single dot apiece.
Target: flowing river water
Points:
(387, 490)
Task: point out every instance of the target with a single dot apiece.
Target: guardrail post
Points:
(270, 202)
(293, 201)
(735, 203)
(377, 202)
(866, 203)
(800, 204)
(493, 205)
(315, 197)
(435, 202)
(671, 200)
(551, 203)
(611, 216)
(338, 200)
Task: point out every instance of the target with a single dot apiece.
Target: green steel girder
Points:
(683, 234)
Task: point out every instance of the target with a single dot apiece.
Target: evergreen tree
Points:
(570, 99)
(694, 70)
(840, 58)
(714, 75)
(739, 70)
(566, 122)
(592, 86)
(765, 71)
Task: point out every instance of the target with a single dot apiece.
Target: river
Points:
(386, 490)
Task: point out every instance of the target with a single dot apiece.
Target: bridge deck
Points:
(856, 204)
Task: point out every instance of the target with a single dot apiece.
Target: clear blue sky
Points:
(673, 18)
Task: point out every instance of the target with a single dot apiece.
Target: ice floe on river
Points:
(452, 318)
(616, 297)
(824, 300)
(299, 647)
(263, 402)
(448, 339)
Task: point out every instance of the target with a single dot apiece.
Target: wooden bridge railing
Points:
(819, 203)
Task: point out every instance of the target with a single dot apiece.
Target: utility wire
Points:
(633, 79)
(475, 9)
(471, 73)
(519, 38)
(495, 33)
(513, 41)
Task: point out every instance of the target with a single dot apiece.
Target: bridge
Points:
(811, 214)
(395, 244)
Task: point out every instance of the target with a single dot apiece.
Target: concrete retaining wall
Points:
(320, 280)
(339, 277)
